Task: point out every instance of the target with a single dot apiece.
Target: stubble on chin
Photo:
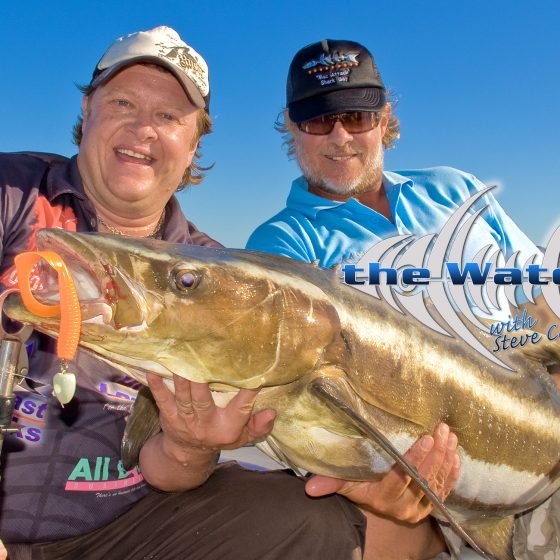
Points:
(370, 178)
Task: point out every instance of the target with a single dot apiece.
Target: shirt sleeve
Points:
(279, 239)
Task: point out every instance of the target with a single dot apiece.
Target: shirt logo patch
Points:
(102, 474)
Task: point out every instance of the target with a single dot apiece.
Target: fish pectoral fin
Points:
(141, 425)
(494, 535)
(270, 447)
(338, 395)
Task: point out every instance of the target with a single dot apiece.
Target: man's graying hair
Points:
(194, 173)
(392, 134)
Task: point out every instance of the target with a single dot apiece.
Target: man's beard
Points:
(370, 178)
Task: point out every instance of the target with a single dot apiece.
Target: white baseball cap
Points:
(163, 46)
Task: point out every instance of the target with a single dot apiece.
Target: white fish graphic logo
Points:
(454, 302)
(332, 59)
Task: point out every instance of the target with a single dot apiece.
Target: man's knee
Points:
(289, 523)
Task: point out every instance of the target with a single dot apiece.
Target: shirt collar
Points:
(310, 204)
(64, 178)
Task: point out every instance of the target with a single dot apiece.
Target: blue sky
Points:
(476, 81)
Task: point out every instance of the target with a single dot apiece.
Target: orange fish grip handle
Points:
(69, 307)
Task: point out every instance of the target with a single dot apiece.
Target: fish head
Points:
(229, 317)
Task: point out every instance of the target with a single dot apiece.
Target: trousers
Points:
(236, 515)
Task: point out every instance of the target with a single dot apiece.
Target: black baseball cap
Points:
(333, 76)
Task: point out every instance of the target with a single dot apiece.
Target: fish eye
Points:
(186, 279)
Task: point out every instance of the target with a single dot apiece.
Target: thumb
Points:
(261, 423)
(323, 485)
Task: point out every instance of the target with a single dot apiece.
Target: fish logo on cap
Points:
(332, 61)
(182, 57)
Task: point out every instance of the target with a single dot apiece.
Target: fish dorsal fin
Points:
(495, 535)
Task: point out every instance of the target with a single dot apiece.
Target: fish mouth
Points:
(100, 286)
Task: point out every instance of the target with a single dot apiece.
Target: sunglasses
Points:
(354, 122)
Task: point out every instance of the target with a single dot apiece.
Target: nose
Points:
(339, 135)
(143, 126)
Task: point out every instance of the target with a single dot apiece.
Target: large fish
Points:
(339, 366)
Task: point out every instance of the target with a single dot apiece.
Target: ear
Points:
(85, 112)
(195, 140)
(191, 152)
(290, 125)
(387, 112)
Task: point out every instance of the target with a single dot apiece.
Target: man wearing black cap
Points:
(65, 493)
(337, 124)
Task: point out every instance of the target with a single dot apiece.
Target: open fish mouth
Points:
(88, 285)
(100, 286)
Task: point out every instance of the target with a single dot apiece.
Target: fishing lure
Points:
(64, 382)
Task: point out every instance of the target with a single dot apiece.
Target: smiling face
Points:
(341, 164)
(139, 136)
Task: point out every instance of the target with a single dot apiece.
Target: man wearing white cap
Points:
(65, 491)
